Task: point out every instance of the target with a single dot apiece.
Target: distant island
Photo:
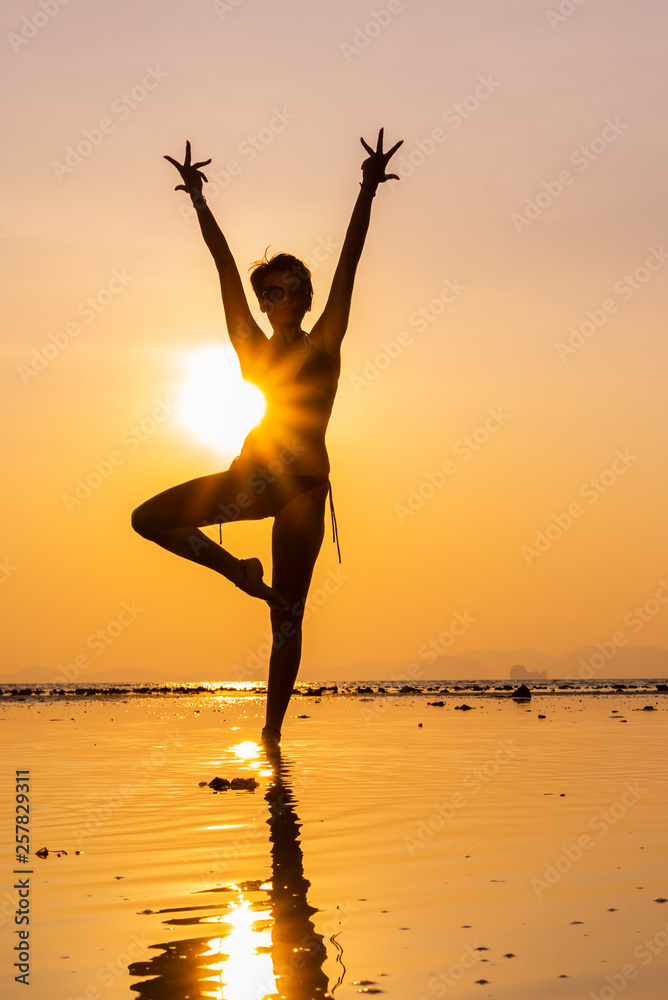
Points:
(520, 673)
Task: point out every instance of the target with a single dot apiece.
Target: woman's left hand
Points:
(373, 169)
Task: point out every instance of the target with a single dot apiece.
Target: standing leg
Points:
(296, 539)
(173, 518)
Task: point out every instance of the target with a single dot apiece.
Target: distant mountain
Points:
(604, 661)
(125, 675)
(405, 670)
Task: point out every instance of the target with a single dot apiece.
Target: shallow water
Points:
(376, 856)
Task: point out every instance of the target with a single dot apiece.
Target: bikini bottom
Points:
(266, 493)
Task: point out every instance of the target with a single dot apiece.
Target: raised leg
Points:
(172, 519)
(296, 539)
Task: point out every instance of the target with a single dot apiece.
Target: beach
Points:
(397, 847)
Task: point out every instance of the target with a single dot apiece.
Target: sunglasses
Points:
(276, 293)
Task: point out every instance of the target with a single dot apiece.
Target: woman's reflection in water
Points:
(264, 949)
(297, 951)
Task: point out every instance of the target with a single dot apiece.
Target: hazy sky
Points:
(498, 441)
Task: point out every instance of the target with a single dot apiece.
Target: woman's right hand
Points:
(373, 168)
(191, 174)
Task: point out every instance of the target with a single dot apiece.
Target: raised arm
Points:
(330, 329)
(245, 334)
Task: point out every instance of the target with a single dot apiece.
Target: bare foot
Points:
(271, 739)
(252, 583)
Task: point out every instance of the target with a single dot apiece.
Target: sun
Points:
(215, 404)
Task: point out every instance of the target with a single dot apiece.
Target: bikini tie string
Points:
(335, 530)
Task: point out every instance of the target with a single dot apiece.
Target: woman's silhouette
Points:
(283, 469)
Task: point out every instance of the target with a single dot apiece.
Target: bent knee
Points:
(144, 522)
(289, 622)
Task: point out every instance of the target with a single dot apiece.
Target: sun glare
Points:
(215, 404)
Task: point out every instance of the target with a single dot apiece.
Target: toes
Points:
(278, 603)
(254, 569)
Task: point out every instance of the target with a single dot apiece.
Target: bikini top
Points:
(317, 370)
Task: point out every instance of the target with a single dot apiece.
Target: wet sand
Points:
(488, 853)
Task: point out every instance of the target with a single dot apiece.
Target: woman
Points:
(283, 469)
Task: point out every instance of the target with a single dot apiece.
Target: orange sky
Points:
(503, 381)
